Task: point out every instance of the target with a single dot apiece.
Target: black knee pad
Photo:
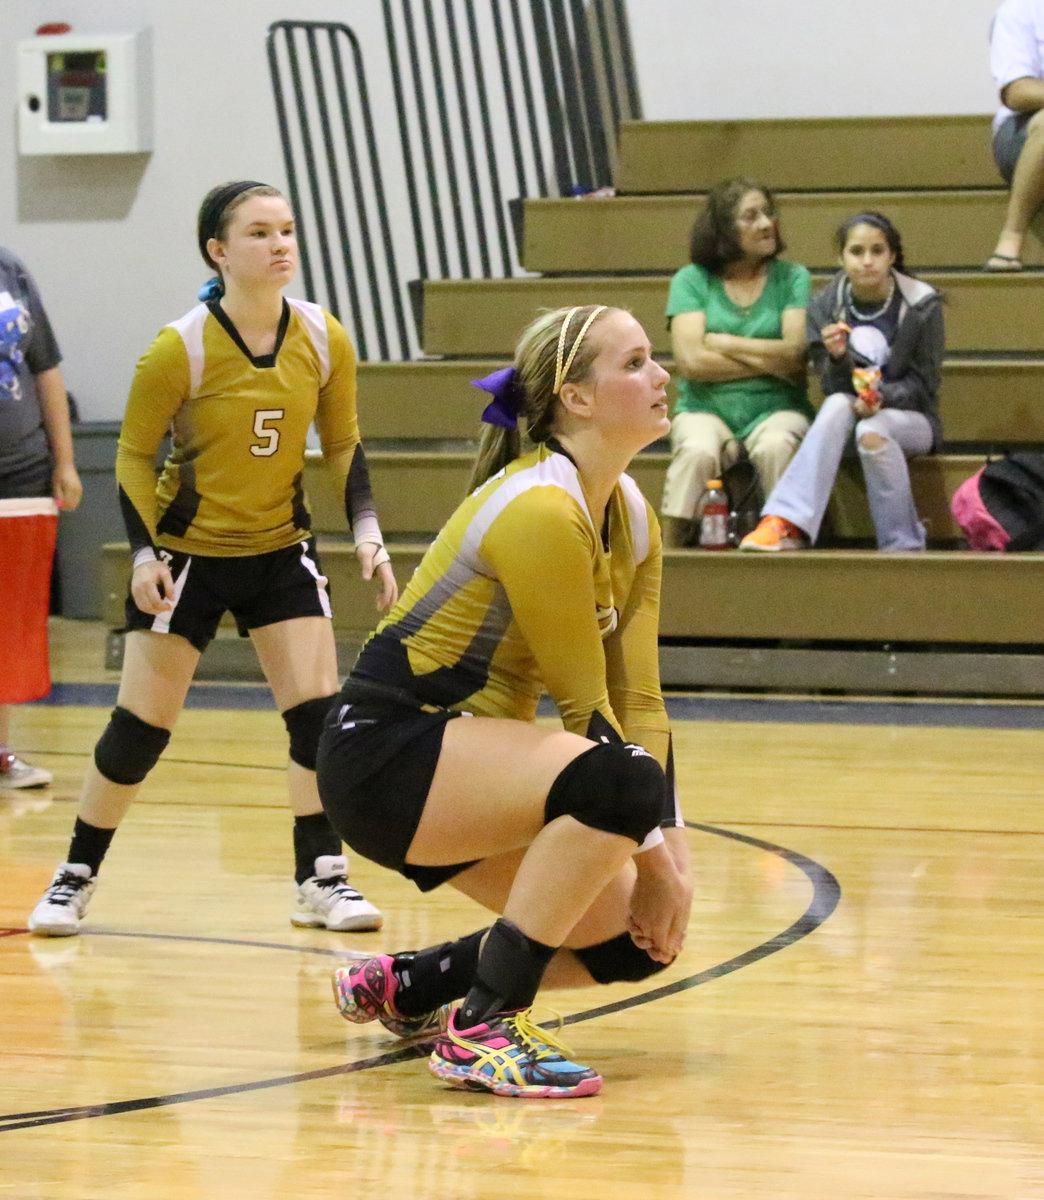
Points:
(618, 960)
(616, 787)
(304, 724)
(129, 747)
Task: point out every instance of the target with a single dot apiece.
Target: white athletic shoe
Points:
(14, 773)
(328, 901)
(63, 905)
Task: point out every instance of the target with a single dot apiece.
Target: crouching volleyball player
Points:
(547, 577)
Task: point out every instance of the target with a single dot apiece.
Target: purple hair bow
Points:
(506, 404)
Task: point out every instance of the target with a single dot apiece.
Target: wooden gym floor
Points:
(857, 1013)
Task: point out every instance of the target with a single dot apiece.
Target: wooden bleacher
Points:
(985, 313)
(946, 621)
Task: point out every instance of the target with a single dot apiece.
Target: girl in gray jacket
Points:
(876, 339)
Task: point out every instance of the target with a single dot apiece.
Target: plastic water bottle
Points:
(714, 520)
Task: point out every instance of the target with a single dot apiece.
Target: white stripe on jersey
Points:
(314, 320)
(554, 471)
(638, 512)
(190, 327)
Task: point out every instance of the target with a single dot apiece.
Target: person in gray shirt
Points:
(36, 449)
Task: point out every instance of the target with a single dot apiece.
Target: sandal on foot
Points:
(997, 263)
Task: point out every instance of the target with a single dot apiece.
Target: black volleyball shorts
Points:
(377, 758)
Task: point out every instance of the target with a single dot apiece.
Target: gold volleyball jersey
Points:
(232, 483)
(519, 595)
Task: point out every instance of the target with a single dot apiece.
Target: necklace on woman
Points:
(744, 294)
(863, 314)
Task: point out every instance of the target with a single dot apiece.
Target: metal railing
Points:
(492, 101)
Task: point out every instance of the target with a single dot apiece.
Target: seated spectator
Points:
(876, 341)
(737, 320)
(1017, 64)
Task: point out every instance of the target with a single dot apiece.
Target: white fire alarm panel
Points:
(85, 93)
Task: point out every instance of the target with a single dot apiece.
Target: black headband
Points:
(213, 208)
(878, 220)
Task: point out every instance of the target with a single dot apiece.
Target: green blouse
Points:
(741, 403)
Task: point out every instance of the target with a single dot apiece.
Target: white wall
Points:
(701, 59)
(111, 239)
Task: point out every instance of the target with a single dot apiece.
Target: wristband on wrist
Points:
(380, 555)
(366, 529)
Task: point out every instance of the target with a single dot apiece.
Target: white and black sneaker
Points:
(60, 910)
(328, 901)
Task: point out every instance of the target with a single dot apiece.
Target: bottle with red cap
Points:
(714, 517)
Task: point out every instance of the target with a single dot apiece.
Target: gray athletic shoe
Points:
(15, 773)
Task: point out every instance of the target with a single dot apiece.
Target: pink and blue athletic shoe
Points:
(509, 1055)
(365, 991)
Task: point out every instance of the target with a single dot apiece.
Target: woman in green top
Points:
(737, 321)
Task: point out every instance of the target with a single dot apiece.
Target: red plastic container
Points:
(28, 529)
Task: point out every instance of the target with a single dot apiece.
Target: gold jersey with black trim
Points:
(522, 593)
(232, 482)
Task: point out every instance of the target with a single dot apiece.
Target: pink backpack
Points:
(1001, 507)
(981, 530)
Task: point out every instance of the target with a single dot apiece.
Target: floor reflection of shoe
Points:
(509, 1055)
(538, 1131)
(365, 992)
(51, 954)
(19, 804)
(61, 908)
(328, 901)
(16, 773)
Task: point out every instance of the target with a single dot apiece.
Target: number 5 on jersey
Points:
(270, 437)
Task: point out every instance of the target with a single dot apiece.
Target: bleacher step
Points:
(426, 398)
(819, 154)
(865, 670)
(416, 491)
(817, 596)
(984, 313)
(651, 233)
(984, 400)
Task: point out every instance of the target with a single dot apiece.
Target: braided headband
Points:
(562, 368)
(503, 385)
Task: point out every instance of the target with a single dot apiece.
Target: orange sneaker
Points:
(775, 533)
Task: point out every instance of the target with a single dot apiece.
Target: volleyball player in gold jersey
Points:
(237, 382)
(547, 577)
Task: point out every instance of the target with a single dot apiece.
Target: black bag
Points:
(742, 485)
(1001, 507)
